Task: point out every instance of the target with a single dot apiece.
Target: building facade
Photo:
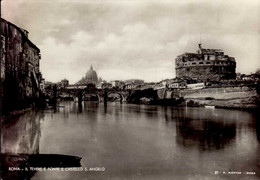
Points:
(104, 85)
(20, 73)
(205, 65)
(63, 83)
(133, 84)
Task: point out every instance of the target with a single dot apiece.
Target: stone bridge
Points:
(80, 92)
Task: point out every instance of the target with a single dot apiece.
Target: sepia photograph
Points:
(130, 89)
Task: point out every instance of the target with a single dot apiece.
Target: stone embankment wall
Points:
(226, 97)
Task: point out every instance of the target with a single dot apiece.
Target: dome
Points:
(91, 76)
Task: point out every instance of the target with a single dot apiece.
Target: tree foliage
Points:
(257, 71)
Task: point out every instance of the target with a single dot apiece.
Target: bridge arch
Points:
(101, 94)
(122, 97)
(92, 93)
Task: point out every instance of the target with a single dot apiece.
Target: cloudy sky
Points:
(126, 39)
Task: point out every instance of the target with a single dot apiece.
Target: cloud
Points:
(126, 53)
(135, 39)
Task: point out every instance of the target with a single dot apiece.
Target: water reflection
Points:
(205, 134)
(18, 138)
(136, 141)
(22, 135)
(207, 129)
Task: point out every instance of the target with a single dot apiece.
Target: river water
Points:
(127, 141)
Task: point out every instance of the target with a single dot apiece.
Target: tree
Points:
(257, 71)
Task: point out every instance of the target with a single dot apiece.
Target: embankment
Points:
(224, 97)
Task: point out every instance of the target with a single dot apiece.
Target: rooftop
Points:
(22, 31)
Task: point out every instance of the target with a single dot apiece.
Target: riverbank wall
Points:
(224, 97)
(236, 97)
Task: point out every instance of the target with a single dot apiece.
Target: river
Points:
(128, 141)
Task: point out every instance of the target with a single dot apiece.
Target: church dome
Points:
(91, 76)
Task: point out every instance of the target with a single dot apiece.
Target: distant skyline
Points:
(132, 39)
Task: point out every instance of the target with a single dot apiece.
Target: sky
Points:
(134, 39)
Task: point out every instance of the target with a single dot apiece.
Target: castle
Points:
(206, 65)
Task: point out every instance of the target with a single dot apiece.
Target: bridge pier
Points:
(53, 100)
(80, 99)
(105, 96)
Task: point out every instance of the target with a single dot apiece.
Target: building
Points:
(90, 78)
(196, 86)
(104, 85)
(133, 84)
(42, 85)
(176, 83)
(63, 83)
(149, 85)
(159, 86)
(205, 65)
(20, 74)
(117, 84)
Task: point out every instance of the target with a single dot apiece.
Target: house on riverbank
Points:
(20, 68)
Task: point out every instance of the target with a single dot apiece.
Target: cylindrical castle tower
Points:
(205, 65)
